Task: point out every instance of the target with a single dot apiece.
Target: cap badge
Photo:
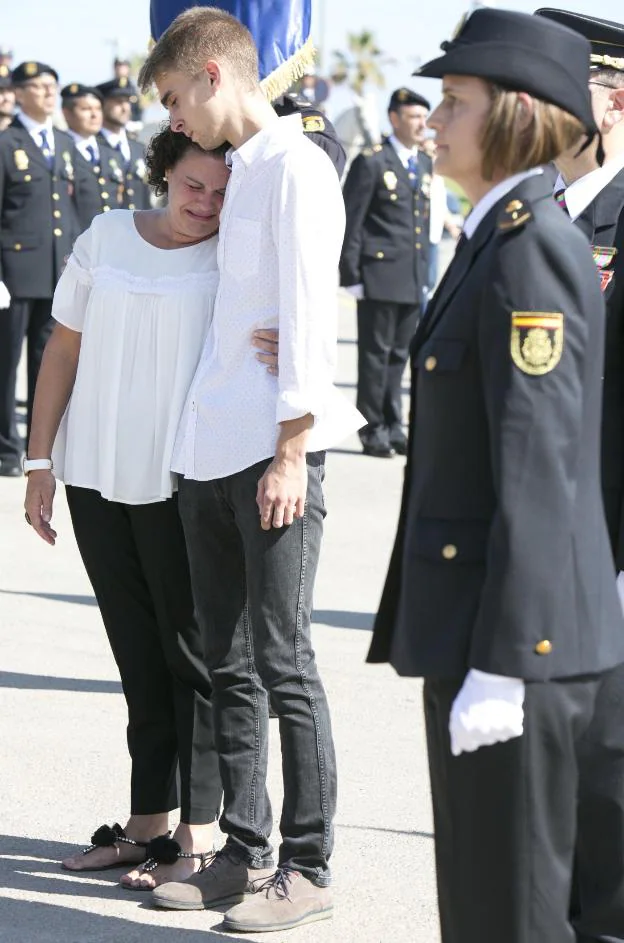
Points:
(4, 71)
(73, 89)
(122, 81)
(30, 68)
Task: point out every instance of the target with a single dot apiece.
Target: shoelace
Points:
(214, 858)
(278, 882)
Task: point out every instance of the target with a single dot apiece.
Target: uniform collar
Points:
(492, 197)
(584, 191)
(403, 153)
(35, 127)
(115, 137)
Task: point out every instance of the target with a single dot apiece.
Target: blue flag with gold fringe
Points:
(281, 31)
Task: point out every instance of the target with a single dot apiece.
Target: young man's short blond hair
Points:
(510, 148)
(200, 34)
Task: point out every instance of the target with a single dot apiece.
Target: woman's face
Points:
(196, 190)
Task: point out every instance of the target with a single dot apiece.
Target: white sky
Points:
(78, 37)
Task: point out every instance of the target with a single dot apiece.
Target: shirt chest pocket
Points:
(242, 248)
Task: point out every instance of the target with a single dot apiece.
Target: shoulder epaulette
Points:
(515, 214)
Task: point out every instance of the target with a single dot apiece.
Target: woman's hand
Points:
(267, 341)
(38, 503)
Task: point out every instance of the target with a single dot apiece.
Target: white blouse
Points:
(143, 313)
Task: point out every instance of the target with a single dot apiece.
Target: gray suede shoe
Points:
(281, 902)
(224, 880)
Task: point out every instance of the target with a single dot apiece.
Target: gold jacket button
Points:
(418, 230)
(104, 195)
(130, 192)
(105, 209)
(431, 363)
(18, 246)
(393, 197)
(101, 180)
(379, 255)
(449, 552)
(58, 232)
(131, 206)
(55, 196)
(56, 214)
(27, 178)
(418, 246)
(544, 647)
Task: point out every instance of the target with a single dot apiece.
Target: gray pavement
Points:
(64, 767)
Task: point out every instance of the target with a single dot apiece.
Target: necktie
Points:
(561, 201)
(412, 171)
(45, 149)
(124, 162)
(91, 152)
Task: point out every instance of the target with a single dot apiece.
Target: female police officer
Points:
(500, 591)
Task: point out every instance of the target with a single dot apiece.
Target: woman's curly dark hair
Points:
(164, 151)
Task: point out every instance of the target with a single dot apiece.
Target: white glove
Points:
(5, 298)
(487, 710)
(357, 291)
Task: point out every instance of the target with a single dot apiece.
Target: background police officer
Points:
(97, 186)
(384, 264)
(39, 224)
(593, 197)
(317, 127)
(7, 98)
(117, 97)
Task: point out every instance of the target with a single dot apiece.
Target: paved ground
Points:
(64, 768)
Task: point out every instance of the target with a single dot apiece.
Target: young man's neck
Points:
(39, 117)
(254, 113)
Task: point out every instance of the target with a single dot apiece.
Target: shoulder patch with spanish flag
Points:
(536, 340)
(313, 123)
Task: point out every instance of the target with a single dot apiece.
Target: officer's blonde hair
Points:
(510, 145)
(195, 37)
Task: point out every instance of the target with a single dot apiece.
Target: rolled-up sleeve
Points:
(308, 229)
(73, 290)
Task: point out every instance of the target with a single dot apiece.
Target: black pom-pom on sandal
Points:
(107, 836)
(166, 850)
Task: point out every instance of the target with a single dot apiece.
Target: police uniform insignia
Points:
(515, 214)
(4, 71)
(603, 257)
(402, 95)
(30, 68)
(69, 170)
(536, 341)
(390, 180)
(140, 168)
(21, 160)
(425, 185)
(377, 148)
(73, 89)
(313, 124)
(122, 81)
(115, 170)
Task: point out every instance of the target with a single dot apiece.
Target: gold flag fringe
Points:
(280, 80)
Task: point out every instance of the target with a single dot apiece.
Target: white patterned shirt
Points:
(280, 237)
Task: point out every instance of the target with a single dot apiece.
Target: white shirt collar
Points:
(115, 137)
(273, 133)
(492, 197)
(403, 153)
(83, 143)
(36, 127)
(584, 191)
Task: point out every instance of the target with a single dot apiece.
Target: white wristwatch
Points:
(36, 464)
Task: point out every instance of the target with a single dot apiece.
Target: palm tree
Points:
(362, 64)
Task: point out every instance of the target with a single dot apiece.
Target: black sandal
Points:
(107, 837)
(166, 850)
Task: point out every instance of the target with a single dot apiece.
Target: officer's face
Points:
(194, 107)
(37, 98)
(409, 124)
(84, 116)
(196, 188)
(458, 122)
(117, 111)
(7, 102)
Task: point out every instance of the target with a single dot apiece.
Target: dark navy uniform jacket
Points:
(98, 187)
(38, 213)
(386, 244)
(502, 559)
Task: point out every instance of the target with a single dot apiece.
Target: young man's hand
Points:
(282, 492)
(267, 342)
